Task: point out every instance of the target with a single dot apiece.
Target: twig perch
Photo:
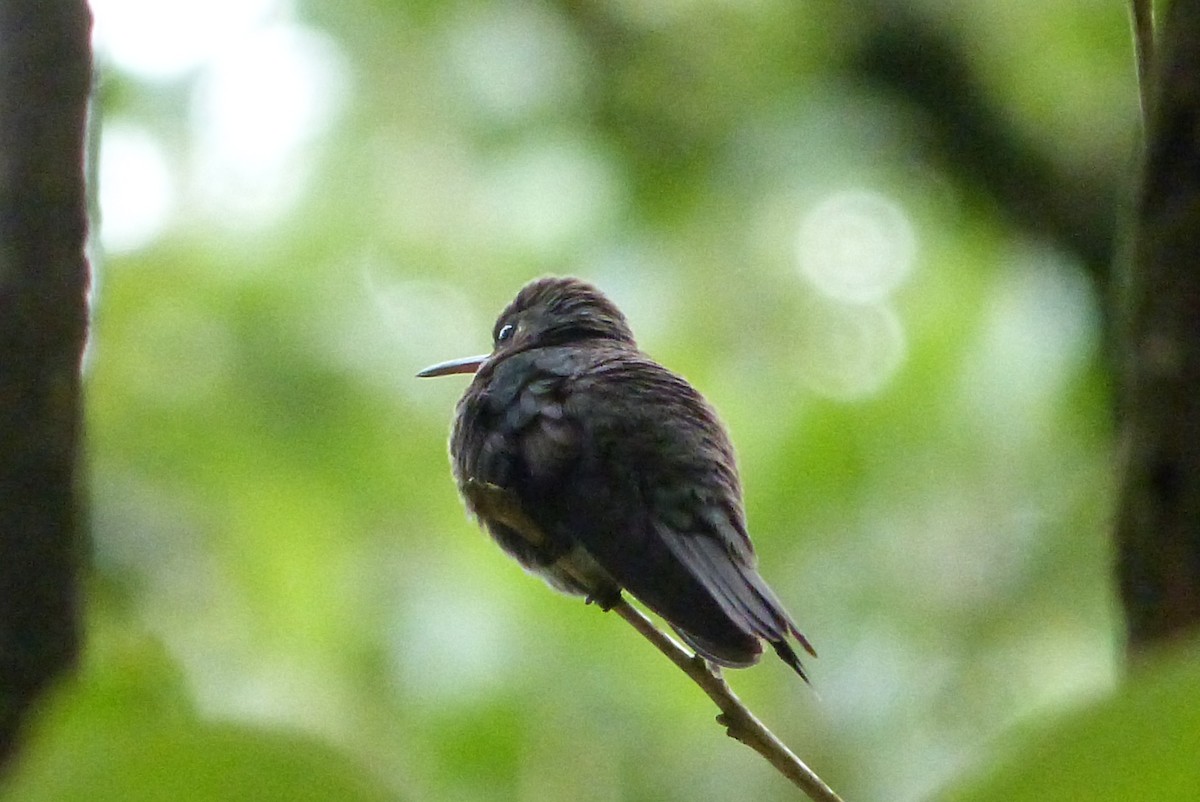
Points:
(740, 724)
(498, 504)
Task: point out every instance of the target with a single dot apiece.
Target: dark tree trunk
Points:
(1158, 524)
(45, 77)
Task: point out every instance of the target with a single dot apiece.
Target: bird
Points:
(602, 471)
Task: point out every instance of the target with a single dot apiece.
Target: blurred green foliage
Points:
(1141, 744)
(329, 196)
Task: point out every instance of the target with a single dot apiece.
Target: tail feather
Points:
(743, 597)
(788, 655)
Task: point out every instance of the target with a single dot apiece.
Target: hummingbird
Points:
(601, 471)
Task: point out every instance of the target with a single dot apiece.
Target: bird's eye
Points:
(505, 332)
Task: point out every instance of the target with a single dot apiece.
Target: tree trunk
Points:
(45, 78)
(1158, 523)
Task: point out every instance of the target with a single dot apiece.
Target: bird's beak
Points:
(468, 364)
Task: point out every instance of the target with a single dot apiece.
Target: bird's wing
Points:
(654, 497)
(516, 435)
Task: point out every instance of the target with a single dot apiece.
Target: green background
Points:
(287, 600)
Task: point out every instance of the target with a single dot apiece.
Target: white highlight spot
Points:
(160, 40)
(257, 109)
(136, 191)
(856, 246)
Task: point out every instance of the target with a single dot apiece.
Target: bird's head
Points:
(547, 311)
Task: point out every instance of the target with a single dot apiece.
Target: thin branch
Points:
(497, 504)
(740, 724)
(1142, 14)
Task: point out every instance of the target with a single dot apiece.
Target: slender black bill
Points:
(467, 364)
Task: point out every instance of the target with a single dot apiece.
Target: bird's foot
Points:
(605, 599)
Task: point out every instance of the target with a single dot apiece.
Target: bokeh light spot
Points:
(515, 59)
(856, 246)
(550, 195)
(848, 351)
(135, 187)
(1041, 324)
(160, 40)
(257, 109)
